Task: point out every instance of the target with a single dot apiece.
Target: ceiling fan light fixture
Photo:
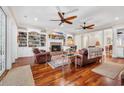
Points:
(25, 17)
(35, 19)
(61, 25)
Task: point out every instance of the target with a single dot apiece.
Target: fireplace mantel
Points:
(55, 43)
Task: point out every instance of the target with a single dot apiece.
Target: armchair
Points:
(41, 56)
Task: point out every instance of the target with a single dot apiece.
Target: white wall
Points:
(81, 40)
(85, 39)
(88, 39)
(78, 41)
(14, 41)
(95, 36)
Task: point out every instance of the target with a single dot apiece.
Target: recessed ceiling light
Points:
(116, 18)
(55, 30)
(25, 17)
(35, 19)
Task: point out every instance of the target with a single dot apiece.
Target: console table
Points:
(69, 56)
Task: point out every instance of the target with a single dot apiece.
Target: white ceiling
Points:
(102, 17)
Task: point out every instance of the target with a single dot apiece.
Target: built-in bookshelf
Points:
(34, 39)
(43, 39)
(31, 39)
(22, 39)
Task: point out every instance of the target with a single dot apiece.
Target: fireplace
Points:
(55, 48)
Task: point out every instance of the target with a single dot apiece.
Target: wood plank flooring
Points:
(44, 75)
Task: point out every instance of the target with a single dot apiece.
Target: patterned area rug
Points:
(109, 69)
(20, 76)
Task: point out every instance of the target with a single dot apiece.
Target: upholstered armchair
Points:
(41, 56)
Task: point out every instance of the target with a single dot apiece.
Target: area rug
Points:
(57, 63)
(20, 76)
(109, 69)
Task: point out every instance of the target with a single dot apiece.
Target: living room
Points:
(62, 45)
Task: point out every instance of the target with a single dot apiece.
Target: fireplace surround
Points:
(56, 48)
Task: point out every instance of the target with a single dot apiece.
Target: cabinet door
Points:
(120, 52)
(2, 41)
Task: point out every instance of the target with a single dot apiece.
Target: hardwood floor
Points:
(44, 75)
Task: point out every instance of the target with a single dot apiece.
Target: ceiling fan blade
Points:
(68, 22)
(60, 23)
(90, 26)
(70, 18)
(55, 20)
(60, 15)
(74, 10)
(81, 26)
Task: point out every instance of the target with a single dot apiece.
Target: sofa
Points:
(89, 55)
(41, 56)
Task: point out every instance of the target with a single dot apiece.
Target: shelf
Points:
(43, 40)
(33, 39)
(22, 39)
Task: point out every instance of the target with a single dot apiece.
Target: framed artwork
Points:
(70, 41)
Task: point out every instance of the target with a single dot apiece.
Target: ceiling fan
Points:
(62, 17)
(84, 26)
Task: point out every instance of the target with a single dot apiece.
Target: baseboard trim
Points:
(4, 74)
